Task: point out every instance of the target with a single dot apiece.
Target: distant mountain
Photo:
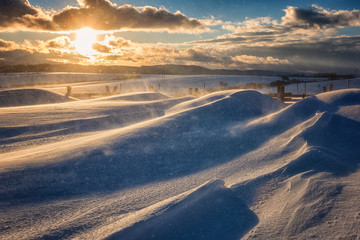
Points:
(156, 69)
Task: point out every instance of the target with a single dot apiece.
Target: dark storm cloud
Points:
(319, 17)
(11, 9)
(97, 14)
(19, 14)
(337, 54)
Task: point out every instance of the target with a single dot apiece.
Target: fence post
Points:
(107, 88)
(114, 90)
(68, 91)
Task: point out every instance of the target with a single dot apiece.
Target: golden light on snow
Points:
(85, 38)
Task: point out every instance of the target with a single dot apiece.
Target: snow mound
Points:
(223, 108)
(313, 199)
(298, 208)
(169, 147)
(141, 96)
(341, 97)
(333, 142)
(210, 212)
(200, 101)
(288, 164)
(22, 97)
(232, 101)
(301, 111)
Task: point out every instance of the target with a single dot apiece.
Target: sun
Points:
(85, 38)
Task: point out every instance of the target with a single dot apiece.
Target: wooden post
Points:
(190, 91)
(279, 91)
(297, 88)
(68, 91)
(107, 88)
(282, 93)
(324, 88)
(114, 90)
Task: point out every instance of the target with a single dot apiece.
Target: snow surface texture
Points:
(21, 97)
(229, 165)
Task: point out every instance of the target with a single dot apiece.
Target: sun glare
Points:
(85, 38)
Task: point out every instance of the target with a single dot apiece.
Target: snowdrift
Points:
(211, 211)
(138, 96)
(168, 147)
(22, 97)
(44, 122)
(282, 172)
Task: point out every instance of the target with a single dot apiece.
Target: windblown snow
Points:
(228, 165)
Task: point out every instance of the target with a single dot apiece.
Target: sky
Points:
(279, 35)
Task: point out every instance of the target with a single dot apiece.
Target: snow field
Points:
(229, 165)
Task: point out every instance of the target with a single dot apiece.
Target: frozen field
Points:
(167, 84)
(82, 83)
(227, 165)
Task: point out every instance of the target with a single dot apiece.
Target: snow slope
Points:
(230, 165)
(21, 97)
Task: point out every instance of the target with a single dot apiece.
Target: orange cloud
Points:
(60, 43)
(101, 48)
(6, 45)
(97, 14)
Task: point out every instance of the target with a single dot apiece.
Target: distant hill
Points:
(156, 69)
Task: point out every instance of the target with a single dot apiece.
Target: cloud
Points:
(62, 42)
(6, 45)
(259, 60)
(336, 54)
(97, 14)
(19, 14)
(22, 57)
(101, 48)
(296, 26)
(117, 42)
(264, 24)
(212, 21)
(318, 17)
